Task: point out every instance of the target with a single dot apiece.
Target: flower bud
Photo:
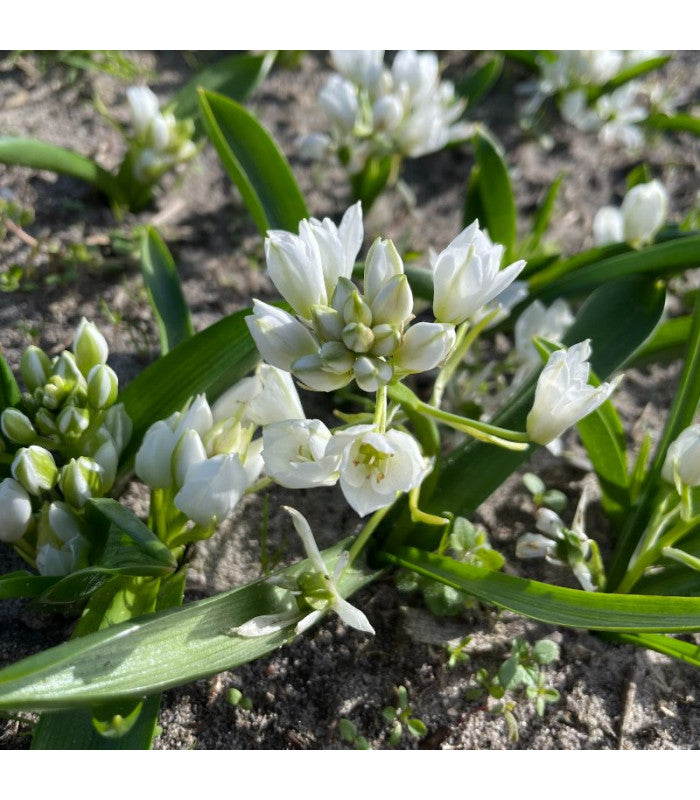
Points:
(356, 310)
(280, 337)
(358, 337)
(312, 372)
(89, 346)
(35, 368)
(212, 488)
(644, 211)
(338, 99)
(228, 436)
(54, 392)
(17, 427)
(383, 263)
(608, 226)
(424, 346)
(119, 425)
(66, 367)
(343, 289)
(197, 416)
(386, 339)
(102, 449)
(371, 373)
(314, 146)
(153, 457)
(15, 511)
(102, 386)
(188, 451)
(394, 302)
(73, 421)
(336, 357)
(45, 422)
(327, 322)
(682, 464)
(387, 112)
(81, 479)
(35, 469)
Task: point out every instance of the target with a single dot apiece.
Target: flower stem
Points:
(258, 486)
(380, 409)
(365, 534)
(421, 516)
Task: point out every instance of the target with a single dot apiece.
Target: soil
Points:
(611, 696)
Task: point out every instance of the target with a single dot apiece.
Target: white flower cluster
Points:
(207, 457)
(340, 334)
(68, 414)
(159, 141)
(375, 111)
(642, 214)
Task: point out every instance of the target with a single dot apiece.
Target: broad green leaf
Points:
(627, 75)
(663, 258)
(676, 648)
(24, 584)
(495, 191)
(254, 163)
(9, 390)
(235, 76)
(464, 482)
(603, 437)
(479, 82)
(683, 410)
(210, 362)
(147, 655)
(669, 342)
(164, 291)
(528, 58)
(41, 155)
(540, 222)
(675, 122)
(555, 605)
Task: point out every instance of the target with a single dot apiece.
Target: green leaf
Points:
(528, 58)
(479, 82)
(495, 191)
(254, 163)
(541, 220)
(235, 76)
(369, 183)
(627, 75)
(210, 362)
(169, 648)
(9, 390)
(685, 123)
(664, 258)
(554, 605)
(545, 651)
(24, 584)
(416, 727)
(676, 648)
(40, 155)
(603, 437)
(164, 291)
(668, 342)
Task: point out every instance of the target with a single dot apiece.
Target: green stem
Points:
(365, 534)
(421, 516)
(259, 485)
(380, 409)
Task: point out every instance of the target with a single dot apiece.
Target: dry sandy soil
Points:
(612, 696)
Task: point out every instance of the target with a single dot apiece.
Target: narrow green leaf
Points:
(254, 163)
(235, 76)
(164, 291)
(210, 362)
(541, 219)
(9, 390)
(479, 82)
(24, 584)
(495, 191)
(369, 183)
(555, 605)
(627, 75)
(41, 155)
(676, 648)
(165, 649)
(680, 123)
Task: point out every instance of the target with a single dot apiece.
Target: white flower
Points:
(467, 275)
(502, 304)
(280, 338)
(682, 464)
(608, 226)
(294, 453)
(644, 211)
(338, 99)
(424, 346)
(547, 323)
(375, 467)
(563, 395)
(15, 510)
(362, 67)
(266, 397)
(144, 108)
(619, 113)
(326, 596)
(153, 457)
(212, 488)
(62, 549)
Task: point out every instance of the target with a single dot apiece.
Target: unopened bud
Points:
(89, 346)
(102, 386)
(188, 451)
(73, 421)
(386, 339)
(45, 422)
(343, 289)
(371, 373)
(119, 424)
(328, 323)
(17, 427)
(15, 511)
(66, 367)
(394, 302)
(54, 392)
(102, 449)
(336, 357)
(358, 337)
(356, 310)
(35, 469)
(80, 480)
(35, 368)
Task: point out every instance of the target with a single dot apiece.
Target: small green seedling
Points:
(542, 496)
(348, 732)
(457, 652)
(402, 715)
(236, 698)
